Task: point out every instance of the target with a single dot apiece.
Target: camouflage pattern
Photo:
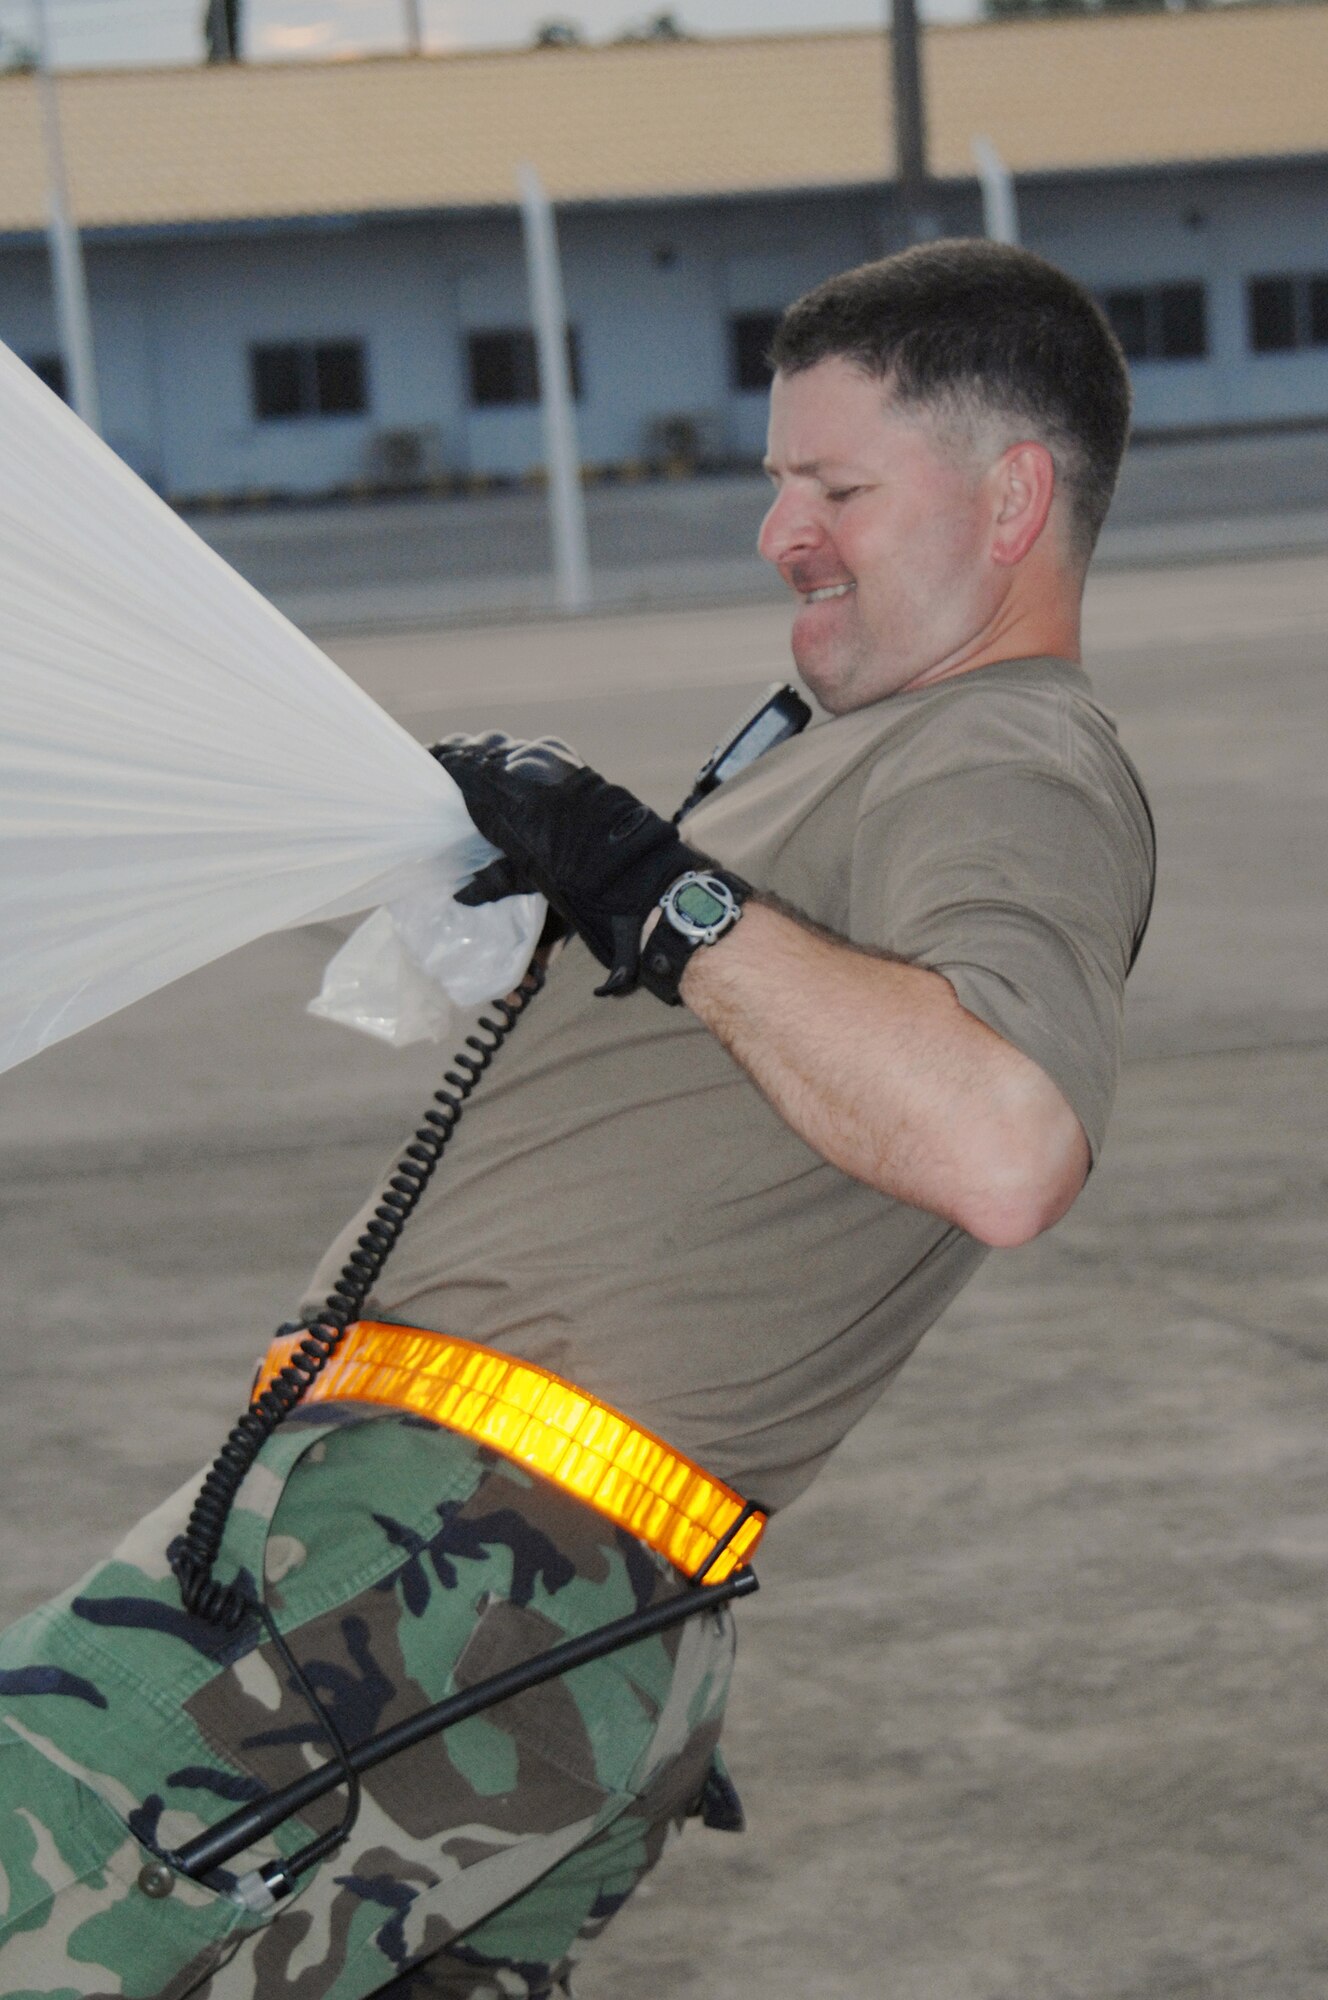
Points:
(402, 1563)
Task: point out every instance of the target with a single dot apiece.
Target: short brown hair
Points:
(967, 327)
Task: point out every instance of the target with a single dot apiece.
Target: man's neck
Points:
(1032, 622)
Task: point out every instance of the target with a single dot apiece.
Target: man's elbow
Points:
(1028, 1182)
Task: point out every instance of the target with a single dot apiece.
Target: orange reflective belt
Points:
(546, 1424)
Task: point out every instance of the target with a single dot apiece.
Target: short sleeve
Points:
(1027, 891)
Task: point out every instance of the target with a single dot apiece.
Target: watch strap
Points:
(668, 951)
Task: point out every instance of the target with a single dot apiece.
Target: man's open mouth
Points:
(827, 591)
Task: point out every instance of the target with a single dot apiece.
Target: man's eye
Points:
(843, 492)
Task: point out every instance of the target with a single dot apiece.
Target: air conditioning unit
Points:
(681, 441)
(409, 456)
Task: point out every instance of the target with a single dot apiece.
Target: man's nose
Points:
(790, 527)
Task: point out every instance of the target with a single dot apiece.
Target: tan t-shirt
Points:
(623, 1206)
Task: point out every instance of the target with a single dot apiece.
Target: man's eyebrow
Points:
(811, 468)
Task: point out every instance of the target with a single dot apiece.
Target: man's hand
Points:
(601, 857)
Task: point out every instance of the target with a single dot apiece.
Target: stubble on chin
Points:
(835, 676)
(805, 659)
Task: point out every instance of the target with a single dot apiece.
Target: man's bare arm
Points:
(881, 1070)
(874, 1063)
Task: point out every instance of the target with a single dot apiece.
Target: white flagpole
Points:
(68, 276)
(567, 506)
(1000, 214)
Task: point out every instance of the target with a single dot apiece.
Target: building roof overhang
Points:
(165, 149)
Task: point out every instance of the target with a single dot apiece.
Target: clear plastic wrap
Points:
(398, 974)
(181, 771)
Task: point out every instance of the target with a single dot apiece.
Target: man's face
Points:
(883, 533)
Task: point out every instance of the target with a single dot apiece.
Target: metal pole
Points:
(567, 507)
(67, 273)
(915, 193)
(414, 27)
(1000, 211)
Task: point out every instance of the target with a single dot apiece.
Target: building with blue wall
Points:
(307, 278)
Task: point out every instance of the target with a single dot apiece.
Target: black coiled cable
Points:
(228, 1605)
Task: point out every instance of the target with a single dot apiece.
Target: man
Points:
(893, 951)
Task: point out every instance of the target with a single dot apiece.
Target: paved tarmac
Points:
(423, 560)
(1031, 1704)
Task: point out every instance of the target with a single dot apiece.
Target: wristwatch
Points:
(699, 908)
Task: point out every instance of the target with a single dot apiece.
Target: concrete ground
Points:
(1031, 1704)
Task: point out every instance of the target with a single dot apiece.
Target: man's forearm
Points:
(874, 1063)
(878, 1067)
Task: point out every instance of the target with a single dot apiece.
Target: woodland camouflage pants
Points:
(402, 1562)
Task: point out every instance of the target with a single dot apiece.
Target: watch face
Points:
(698, 905)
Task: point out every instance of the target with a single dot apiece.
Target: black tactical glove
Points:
(601, 857)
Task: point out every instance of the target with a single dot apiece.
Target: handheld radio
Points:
(780, 713)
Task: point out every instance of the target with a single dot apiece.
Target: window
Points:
(1159, 322)
(1182, 334)
(308, 378)
(750, 335)
(339, 378)
(50, 369)
(1128, 313)
(1272, 314)
(1287, 312)
(1317, 293)
(503, 366)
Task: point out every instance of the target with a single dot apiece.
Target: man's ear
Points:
(1024, 485)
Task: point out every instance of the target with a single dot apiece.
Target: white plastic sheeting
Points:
(395, 976)
(181, 771)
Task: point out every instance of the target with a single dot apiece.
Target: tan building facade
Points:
(297, 269)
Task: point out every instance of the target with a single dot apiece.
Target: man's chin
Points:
(843, 678)
(829, 679)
